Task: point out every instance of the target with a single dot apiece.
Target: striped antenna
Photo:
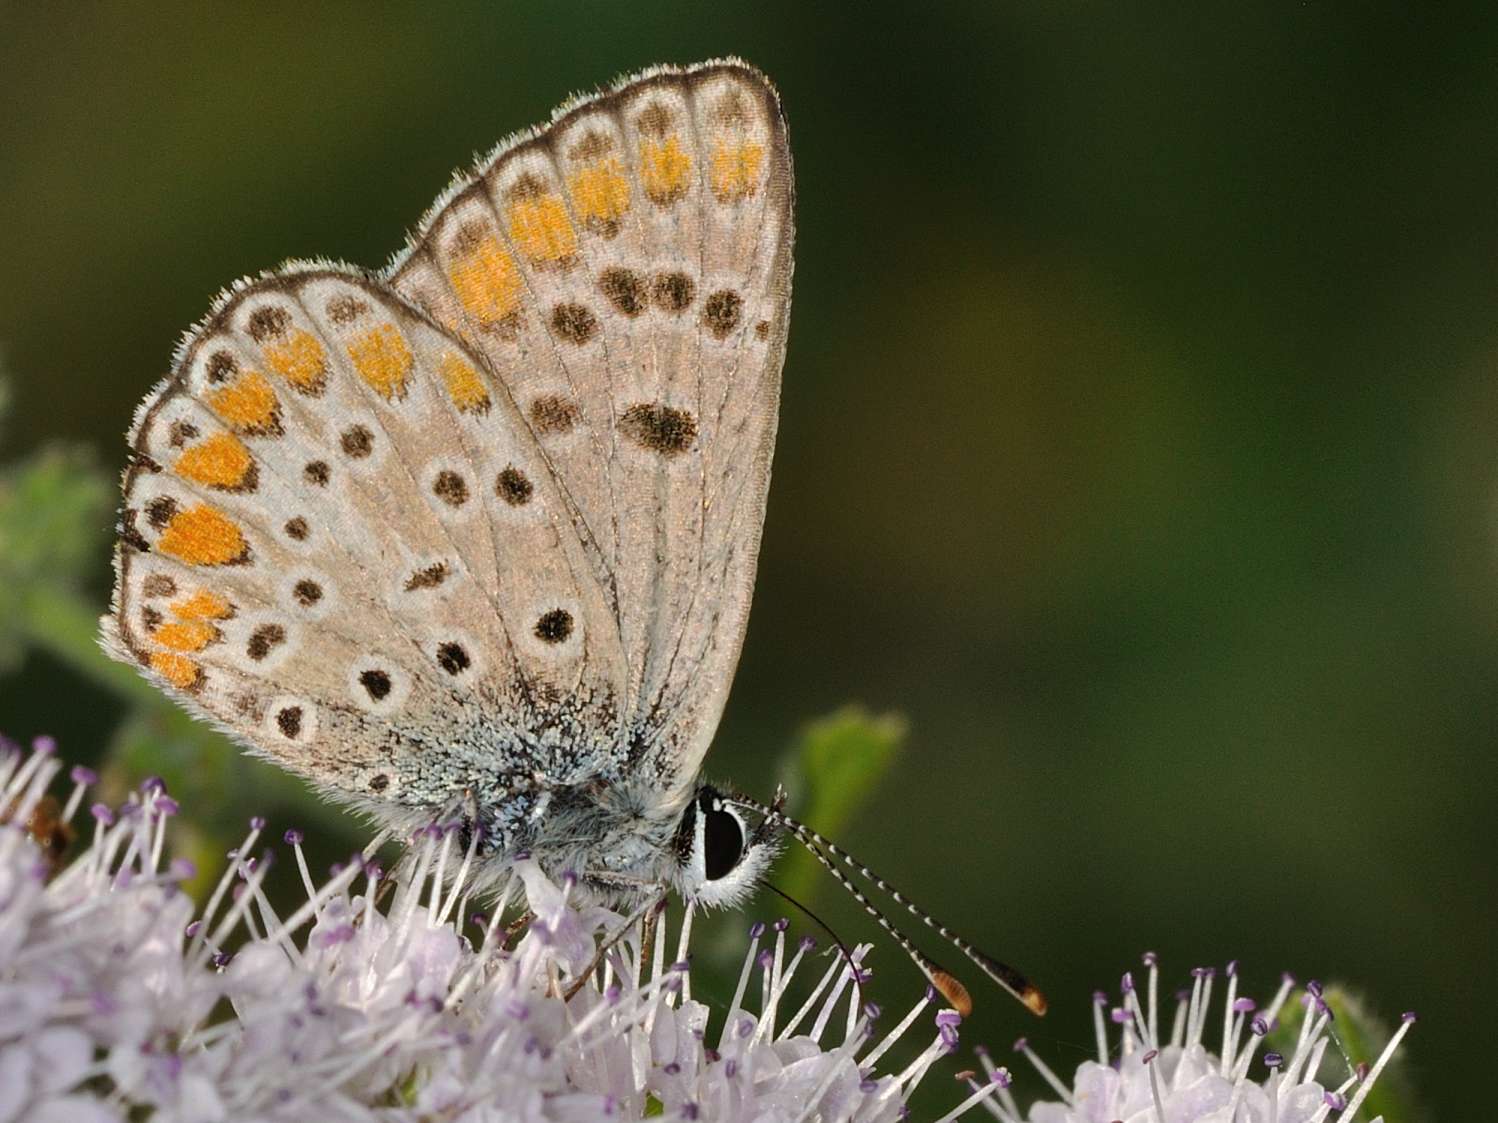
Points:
(829, 853)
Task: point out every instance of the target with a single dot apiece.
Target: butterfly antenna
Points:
(829, 853)
(847, 952)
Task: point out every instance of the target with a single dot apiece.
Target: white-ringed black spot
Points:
(660, 428)
(721, 313)
(513, 486)
(450, 487)
(452, 658)
(289, 721)
(265, 637)
(554, 626)
(376, 684)
(357, 442)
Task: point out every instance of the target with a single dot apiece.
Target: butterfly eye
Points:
(722, 841)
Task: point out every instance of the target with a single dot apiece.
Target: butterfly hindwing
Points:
(342, 543)
(626, 273)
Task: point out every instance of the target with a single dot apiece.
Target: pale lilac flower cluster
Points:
(120, 999)
(1152, 1077)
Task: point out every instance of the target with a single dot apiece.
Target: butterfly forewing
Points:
(341, 541)
(626, 273)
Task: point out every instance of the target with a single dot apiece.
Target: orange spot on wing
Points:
(464, 385)
(383, 359)
(246, 405)
(486, 280)
(221, 461)
(202, 605)
(735, 170)
(600, 192)
(178, 670)
(541, 230)
(203, 535)
(300, 360)
(186, 635)
(664, 169)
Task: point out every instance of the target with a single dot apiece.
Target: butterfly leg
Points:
(646, 915)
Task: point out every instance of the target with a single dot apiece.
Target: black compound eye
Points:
(722, 842)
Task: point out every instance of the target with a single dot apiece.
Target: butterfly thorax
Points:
(619, 839)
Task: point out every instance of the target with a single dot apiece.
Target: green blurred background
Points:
(1138, 438)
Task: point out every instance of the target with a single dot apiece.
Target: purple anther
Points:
(1408, 1016)
(1021, 1044)
(744, 1028)
(374, 871)
(1150, 1056)
(1119, 1016)
(1314, 987)
(1099, 998)
(948, 1036)
(782, 924)
(671, 1068)
(930, 993)
(872, 1011)
(82, 775)
(765, 959)
(517, 1010)
(613, 994)
(1198, 972)
(680, 967)
(1335, 1100)
(193, 929)
(102, 813)
(1243, 1005)
(1150, 959)
(868, 1087)
(257, 822)
(44, 745)
(1286, 977)
(569, 879)
(807, 943)
(1183, 995)
(981, 1050)
(152, 785)
(293, 836)
(1258, 1027)
(689, 1111)
(1273, 1060)
(221, 960)
(731, 1069)
(949, 1018)
(336, 868)
(183, 869)
(1232, 970)
(1001, 1077)
(757, 929)
(1127, 982)
(1362, 1071)
(477, 918)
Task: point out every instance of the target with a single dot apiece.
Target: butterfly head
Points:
(722, 855)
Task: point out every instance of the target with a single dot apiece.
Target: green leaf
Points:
(833, 768)
(1362, 1035)
(54, 525)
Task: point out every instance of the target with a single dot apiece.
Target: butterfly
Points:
(481, 528)
(485, 524)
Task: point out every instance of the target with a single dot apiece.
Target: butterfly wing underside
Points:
(342, 543)
(626, 273)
